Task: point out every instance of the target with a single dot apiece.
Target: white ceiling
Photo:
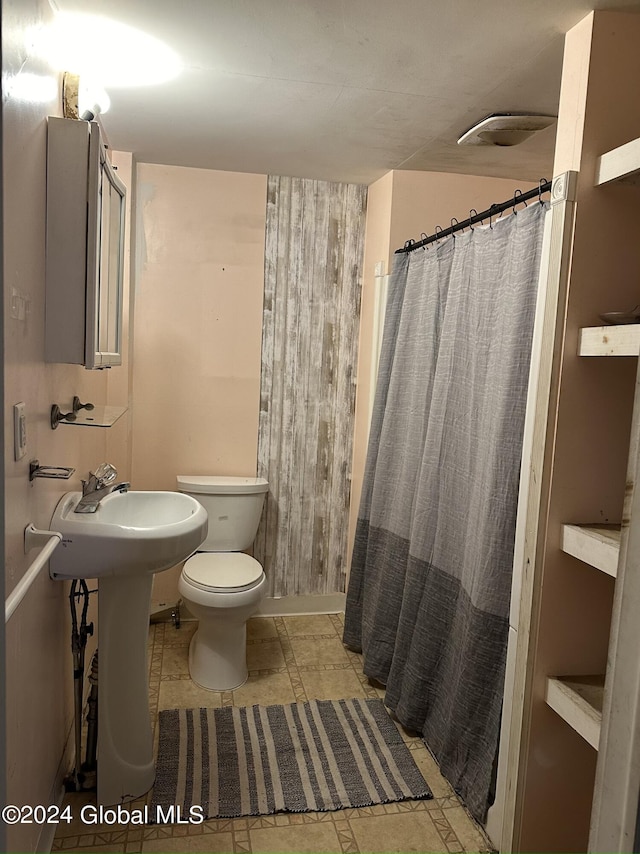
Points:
(343, 90)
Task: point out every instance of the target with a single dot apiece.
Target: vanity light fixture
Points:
(82, 99)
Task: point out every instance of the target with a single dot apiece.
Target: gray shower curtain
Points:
(428, 597)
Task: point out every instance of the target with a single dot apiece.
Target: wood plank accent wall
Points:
(313, 274)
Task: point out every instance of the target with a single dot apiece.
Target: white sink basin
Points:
(130, 536)
(130, 533)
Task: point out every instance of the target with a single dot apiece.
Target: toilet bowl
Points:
(222, 586)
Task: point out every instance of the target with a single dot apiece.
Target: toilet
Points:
(221, 585)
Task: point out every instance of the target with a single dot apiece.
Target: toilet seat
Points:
(223, 571)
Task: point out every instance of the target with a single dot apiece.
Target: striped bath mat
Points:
(321, 755)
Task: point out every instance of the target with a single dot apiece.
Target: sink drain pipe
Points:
(79, 600)
(89, 768)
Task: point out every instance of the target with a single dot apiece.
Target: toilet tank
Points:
(234, 507)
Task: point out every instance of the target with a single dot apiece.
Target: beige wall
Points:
(39, 664)
(401, 205)
(423, 200)
(376, 249)
(199, 272)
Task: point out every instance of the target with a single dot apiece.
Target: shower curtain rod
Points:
(543, 187)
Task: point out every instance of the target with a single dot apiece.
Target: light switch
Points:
(19, 431)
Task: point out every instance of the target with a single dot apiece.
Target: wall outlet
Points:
(19, 431)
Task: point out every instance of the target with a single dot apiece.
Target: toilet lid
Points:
(223, 570)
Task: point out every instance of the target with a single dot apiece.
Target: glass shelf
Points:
(100, 416)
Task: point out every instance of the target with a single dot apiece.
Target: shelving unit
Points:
(580, 592)
(615, 816)
(581, 700)
(619, 164)
(610, 340)
(578, 701)
(597, 545)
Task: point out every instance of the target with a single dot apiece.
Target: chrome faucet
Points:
(98, 486)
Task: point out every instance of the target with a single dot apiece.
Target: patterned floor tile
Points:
(468, 832)
(312, 625)
(266, 655)
(181, 636)
(265, 688)
(175, 661)
(313, 651)
(314, 838)
(297, 684)
(337, 623)
(446, 832)
(397, 833)
(331, 684)
(184, 694)
(261, 627)
(292, 659)
(209, 843)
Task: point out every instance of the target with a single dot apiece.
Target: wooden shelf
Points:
(597, 545)
(620, 164)
(578, 701)
(610, 340)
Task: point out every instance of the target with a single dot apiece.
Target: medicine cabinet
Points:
(85, 248)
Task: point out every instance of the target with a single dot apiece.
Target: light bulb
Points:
(92, 98)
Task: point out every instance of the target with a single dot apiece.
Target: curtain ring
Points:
(516, 201)
(491, 207)
(540, 183)
(474, 212)
(454, 220)
(424, 236)
(408, 244)
(436, 232)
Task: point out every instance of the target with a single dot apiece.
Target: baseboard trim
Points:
(293, 606)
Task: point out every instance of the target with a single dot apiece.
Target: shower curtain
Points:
(428, 597)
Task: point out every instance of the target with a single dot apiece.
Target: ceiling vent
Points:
(505, 129)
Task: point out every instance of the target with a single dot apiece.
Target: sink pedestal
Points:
(131, 536)
(125, 742)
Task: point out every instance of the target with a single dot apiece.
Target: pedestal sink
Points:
(130, 537)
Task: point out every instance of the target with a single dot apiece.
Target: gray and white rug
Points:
(257, 760)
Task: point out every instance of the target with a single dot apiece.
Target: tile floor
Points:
(290, 659)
